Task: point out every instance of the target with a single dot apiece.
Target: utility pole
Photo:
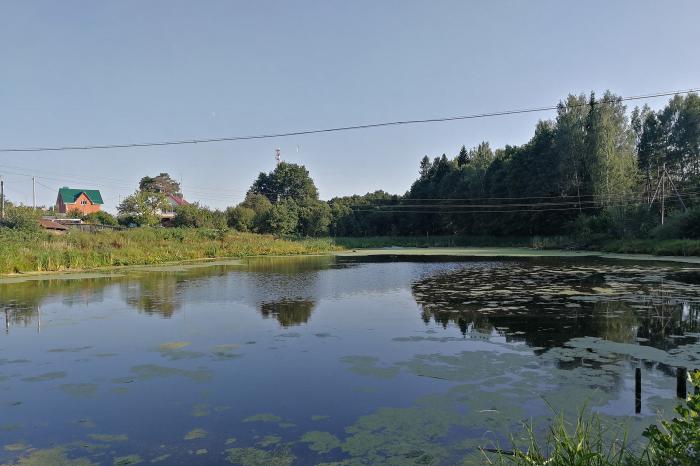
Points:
(2, 199)
(663, 194)
(662, 186)
(33, 193)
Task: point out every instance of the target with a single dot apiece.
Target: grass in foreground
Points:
(38, 251)
(675, 442)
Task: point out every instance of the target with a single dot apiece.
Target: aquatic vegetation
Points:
(201, 451)
(80, 390)
(16, 447)
(152, 371)
(257, 457)
(200, 410)
(321, 442)
(367, 365)
(53, 457)
(127, 460)
(195, 434)
(269, 440)
(263, 417)
(173, 345)
(319, 417)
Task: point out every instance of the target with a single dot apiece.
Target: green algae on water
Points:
(367, 365)
(127, 460)
(53, 457)
(257, 457)
(195, 434)
(80, 390)
(321, 442)
(263, 417)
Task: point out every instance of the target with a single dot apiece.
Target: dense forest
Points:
(593, 169)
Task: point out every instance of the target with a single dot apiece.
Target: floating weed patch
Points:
(368, 366)
(160, 459)
(45, 377)
(173, 345)
(269, 440)
(200, 410)
(153, 371)
(319, 417)
(257, 457)
(16, 447)
(321, 442)
(127, 460)
(195, 434)
(51, 457)
(201, 451)
(263, 417)
(80, 390)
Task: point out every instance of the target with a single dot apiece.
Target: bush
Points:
(21, 218)
(684, 225)
(678, 441)
(100, 218)
(240, 218)
(195, 216)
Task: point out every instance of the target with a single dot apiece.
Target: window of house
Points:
(83, 202)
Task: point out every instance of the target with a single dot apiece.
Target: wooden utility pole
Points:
(2, 199)
(33, 193)
(663, 194)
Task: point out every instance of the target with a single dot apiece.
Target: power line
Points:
(339, 128)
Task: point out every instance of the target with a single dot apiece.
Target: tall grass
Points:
(38, 251)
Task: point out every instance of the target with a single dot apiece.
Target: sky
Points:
(86, 72)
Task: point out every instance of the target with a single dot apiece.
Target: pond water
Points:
(316, 360)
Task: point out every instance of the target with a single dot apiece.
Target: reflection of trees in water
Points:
(156, 295)
(288, 312)
(21, 302)
(549, 321)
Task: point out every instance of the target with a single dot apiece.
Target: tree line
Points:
(592, 169)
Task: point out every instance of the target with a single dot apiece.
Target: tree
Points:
(463, 157)
(286, 181)
(240, 218)
(283, 218)
(143, 208)
(162, 183)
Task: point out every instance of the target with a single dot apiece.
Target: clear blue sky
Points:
(87, 72)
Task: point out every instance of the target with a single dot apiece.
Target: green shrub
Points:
(21, 218)
(677, 442)
(101, 218)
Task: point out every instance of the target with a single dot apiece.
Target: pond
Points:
(329, 360)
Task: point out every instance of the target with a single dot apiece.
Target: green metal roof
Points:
(69, 196)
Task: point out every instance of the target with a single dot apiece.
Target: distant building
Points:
(51, 226)
(166, 215)
(86, 201)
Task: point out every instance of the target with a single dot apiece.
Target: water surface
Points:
(312, 360)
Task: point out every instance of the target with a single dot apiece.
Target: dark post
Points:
(681, 377)
(638, 390)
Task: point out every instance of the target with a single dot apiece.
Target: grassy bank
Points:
(31, 251)
(670, 247)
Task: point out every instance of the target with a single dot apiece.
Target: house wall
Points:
(87, 208)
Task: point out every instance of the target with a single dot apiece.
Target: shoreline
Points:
(456, 252)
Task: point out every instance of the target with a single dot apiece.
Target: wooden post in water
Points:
(638, 390)
(681, 377)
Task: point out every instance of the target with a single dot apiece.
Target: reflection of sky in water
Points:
(458, 349)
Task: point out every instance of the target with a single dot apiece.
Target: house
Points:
(86, 201)
(166, 215)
